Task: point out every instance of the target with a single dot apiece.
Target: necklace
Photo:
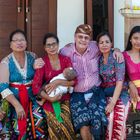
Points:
(20, 61)
(55, 64)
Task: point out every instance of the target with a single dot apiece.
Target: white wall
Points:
(70, 13)
(118, 25)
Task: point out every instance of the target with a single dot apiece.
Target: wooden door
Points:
(40, 19)
(89, 14)
(35, 17)
(8, 23)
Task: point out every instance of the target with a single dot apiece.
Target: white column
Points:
(118, 25)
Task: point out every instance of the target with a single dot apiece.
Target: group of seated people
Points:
(77, 92)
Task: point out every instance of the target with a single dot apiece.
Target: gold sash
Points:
(134, 103)
(137, 83)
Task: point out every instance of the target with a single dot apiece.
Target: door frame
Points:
(88, 14)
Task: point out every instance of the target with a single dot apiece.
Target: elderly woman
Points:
(54, 65)
(25, 117)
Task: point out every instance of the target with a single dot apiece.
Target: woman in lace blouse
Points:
(25, 119)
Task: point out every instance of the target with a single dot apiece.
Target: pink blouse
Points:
(132, 68)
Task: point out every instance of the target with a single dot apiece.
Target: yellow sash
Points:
(136, 83)
(134, 103)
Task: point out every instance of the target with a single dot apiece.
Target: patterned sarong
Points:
(63, 130)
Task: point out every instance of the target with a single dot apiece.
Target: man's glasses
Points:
(49, 45)
(83, 37)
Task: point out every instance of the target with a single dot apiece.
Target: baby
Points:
(68, 74)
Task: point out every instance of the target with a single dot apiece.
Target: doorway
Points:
(99, 14)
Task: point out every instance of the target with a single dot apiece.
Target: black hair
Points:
(103, 34)
(71, 75)
(135, 29)
(16, 32)
(49, 35)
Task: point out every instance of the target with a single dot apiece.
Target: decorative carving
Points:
(131, 9)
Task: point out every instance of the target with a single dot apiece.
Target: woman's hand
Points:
(117, 54)
(133, 92)
(20, 111)
(2, 114)
(16, 104)
(51, 86)
(39, 63)
(110, 107)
